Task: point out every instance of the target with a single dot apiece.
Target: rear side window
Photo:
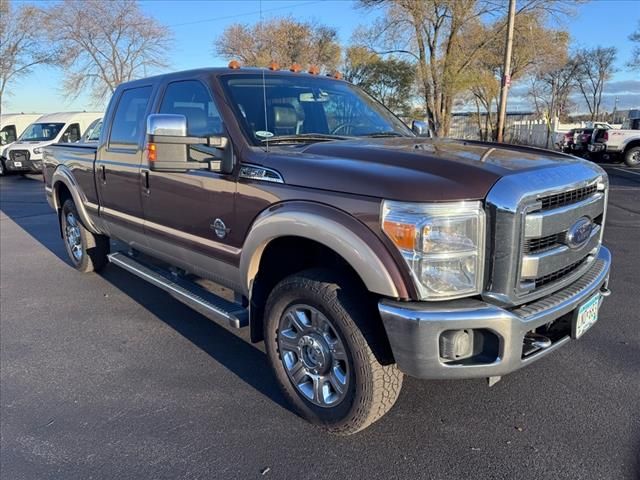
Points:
(192, 99)
(71, 134)
(129, 120)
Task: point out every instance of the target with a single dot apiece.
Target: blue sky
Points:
(196, 23)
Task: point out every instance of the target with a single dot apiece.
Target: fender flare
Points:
(63, 176)
(333, 228)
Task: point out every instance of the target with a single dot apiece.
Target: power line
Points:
(248, 14)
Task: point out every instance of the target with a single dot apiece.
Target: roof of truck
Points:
(235, 71)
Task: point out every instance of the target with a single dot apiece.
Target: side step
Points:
(207, 303)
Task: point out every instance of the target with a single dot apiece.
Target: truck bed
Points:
(77, 157)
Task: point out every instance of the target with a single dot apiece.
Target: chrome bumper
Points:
(414, 329)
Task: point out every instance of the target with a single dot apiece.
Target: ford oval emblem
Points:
(579, 233)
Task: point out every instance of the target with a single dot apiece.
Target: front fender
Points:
(333, 228)
(63, 176)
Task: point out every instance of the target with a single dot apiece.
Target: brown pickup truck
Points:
(357, 249)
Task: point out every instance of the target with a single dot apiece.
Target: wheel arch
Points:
(64, 185)
(313, 235)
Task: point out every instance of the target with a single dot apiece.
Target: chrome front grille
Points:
(534, 218)
(556, 200)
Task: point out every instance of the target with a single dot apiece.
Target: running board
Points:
(207, 303)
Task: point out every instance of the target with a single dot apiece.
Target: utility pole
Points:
(506, 76)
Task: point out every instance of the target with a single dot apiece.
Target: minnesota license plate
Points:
(587, 316)
(17, 164)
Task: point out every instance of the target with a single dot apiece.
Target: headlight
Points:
(442, 243)
(37, 151)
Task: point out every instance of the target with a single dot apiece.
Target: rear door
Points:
(181, 208)
(117, 169)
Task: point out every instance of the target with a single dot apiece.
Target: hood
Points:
(408, 169)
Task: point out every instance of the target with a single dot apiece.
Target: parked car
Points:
(11, 127)
(357, 250)
(25, 154)
(623, 142)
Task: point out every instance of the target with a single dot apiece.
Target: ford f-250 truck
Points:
(357, 250)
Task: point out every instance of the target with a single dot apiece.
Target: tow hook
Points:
(604, 291)
(535, 340)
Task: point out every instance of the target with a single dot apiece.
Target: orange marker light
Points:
(273, 65)
(314, 70)
(295, 68)
(402, 234)
(152, 154)
(234, 65)
(337, 75)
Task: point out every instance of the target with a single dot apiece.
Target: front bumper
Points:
(414, 329)
(28, 166)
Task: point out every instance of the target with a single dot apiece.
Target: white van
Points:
(25, 155)
(11, 127)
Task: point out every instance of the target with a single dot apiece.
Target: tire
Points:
(632, 157)
(329, 309)
(87, 251)
(3, 170)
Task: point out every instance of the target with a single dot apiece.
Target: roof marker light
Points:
(295, 68)
(273, 65)
(314, 70)
(234, 65)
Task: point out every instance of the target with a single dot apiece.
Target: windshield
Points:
(307, 108)
(41, 132)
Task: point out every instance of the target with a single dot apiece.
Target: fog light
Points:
(456, 344)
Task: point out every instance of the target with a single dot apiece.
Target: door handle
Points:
(103, 173)
(145, 174)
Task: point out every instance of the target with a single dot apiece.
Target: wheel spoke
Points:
(288, 340)
(338, 380)
(298, 373)
(299, 320)
(318, 389)
(338, 352)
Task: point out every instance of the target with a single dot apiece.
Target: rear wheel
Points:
(87, 251)
(632, 157)
(320, 357)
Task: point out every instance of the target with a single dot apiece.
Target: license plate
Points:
(17, 164)
(587, 316)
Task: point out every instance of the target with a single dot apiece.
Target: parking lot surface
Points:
(106, 377)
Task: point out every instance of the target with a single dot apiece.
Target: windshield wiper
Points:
(381, 134)
(303, 137)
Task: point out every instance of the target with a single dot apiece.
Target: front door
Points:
(188, 215)
(118, 168)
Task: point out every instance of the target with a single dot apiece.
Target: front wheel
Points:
(321, 359)
(87, 251)
(632, 157)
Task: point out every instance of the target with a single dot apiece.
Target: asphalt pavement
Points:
(106, 377)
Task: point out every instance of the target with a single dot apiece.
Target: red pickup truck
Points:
(358, 250)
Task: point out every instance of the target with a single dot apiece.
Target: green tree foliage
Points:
(388, 80)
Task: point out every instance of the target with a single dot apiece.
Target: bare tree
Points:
(634, 63)
(432, 33)
(105, 43)
(596, 67)
(283, 40)
(21, 45)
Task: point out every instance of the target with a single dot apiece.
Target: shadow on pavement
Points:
(28, 208)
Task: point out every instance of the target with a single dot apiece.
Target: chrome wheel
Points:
(313, 356)
(73, 237)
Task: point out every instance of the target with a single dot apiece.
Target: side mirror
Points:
(420, 128)
(170, 149)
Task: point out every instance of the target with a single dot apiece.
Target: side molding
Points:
(333, 228)
(63, 176)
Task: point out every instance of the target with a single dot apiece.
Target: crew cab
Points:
(11, 127)
(25, 154)
(357, 250)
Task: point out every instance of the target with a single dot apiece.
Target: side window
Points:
(191, 99)
(71, 134)
(129, 120)
(8, 135)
